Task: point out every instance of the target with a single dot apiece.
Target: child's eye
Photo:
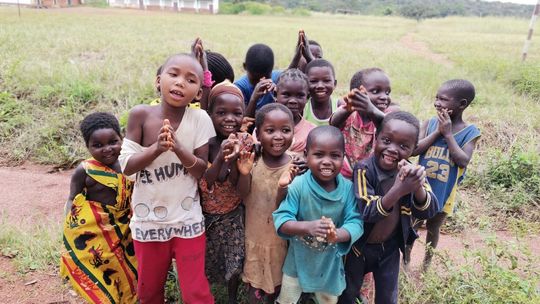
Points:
(172, 74)
(376, 91)
(336, 155)
(239, 114)
(386, 140)
(388, 92)
(404, 147)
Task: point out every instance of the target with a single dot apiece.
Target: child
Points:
(322, 82)
(257, 185)
(100, 262)
(445, 150)
(306, 51)
(317, 202)
(389, 190)
(257, 85)
(292, 92)
(221, 205)
(357, 119)
(165, 157)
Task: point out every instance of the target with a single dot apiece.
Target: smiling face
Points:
(180, 81)
(276, 133)
(378, 89)
(104, 145)
(396, 141)
(321, 83)
(325, 158)
(227, 113)
(293, 94)
(445, 100)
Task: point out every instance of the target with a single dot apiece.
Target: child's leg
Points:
(257, 296)
(355, 267)
(433, 226)
(387, 273)
(189, 254)
(290, 290)
(232, 288)
(154, 259)
(324, 298)
(408, 248)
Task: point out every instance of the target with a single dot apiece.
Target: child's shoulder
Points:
(142, 111)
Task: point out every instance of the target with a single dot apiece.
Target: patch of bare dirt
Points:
(30, 193)
(421, 49)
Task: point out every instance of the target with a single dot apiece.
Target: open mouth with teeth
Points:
(278, 147)
(177, 94)
(389, 161)
(229, 128)
(327, 172)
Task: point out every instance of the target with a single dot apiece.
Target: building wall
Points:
(202, 6)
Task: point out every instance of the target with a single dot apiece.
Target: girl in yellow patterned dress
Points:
(100, 260)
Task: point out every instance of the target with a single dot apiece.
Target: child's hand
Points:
(287, 177)
(320, 229)
(246, 123)
(411, 177)
(197, 50)
(264, 86)
(230, 148)
(445, 123)
(358, 100)
(300, 164)
(306, 52)
(331, 237)
(245, 161)
(165, 138)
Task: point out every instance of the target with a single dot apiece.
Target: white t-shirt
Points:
(165, 199)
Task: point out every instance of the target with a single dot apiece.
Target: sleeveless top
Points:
(442, 173)
(310, 116)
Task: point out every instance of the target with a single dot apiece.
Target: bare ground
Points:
(30, 194)
(421, 49)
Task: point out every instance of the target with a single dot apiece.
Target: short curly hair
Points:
(97, 121)
(358, 78)
(461, 89)
(403, 116)
(262, 112)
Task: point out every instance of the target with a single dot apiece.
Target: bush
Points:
(501, 272)
(301, 12)
(512, 183)
(255, 8)
(526, 80)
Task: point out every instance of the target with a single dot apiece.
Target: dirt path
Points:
(421, 49)
(30, 194)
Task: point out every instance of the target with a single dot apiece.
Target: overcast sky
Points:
(516, 1)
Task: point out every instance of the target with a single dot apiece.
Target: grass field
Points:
(58, 65)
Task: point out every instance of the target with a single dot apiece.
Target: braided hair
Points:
(220, 68)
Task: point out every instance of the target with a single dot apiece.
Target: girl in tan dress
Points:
(258, 186)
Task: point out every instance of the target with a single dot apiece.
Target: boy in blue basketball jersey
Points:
(445, 150)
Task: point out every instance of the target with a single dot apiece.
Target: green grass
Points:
(58, 65)
(31, 247)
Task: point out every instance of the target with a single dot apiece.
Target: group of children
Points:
(271, 180)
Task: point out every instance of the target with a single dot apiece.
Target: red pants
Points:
(154, 259)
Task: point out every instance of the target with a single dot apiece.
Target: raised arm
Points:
(425, 141)
(263, 87)
(461, 157)
(244, 164)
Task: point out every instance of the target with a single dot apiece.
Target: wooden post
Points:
(531, 28)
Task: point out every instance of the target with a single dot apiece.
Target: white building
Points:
(211, 6)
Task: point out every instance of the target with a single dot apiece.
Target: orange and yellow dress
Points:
(100, 260)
